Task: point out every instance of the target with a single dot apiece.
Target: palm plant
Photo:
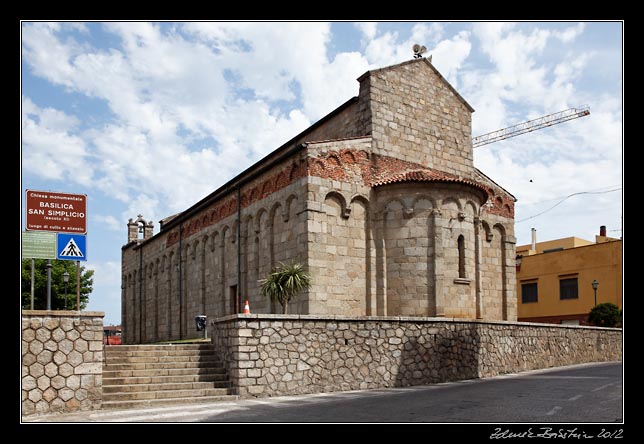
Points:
(285, 282)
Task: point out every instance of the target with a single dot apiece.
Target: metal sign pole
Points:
(78, 307)
(49, 284)
(33, 264)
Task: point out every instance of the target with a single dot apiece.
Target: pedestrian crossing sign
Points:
(72, 247)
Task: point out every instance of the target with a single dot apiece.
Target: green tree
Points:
(58, 301)
(285, 282)
(605, 314)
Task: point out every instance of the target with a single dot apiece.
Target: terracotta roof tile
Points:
(427, 175)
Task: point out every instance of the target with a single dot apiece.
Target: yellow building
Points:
(555, 278)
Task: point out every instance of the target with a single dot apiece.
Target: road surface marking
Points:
(603, 386)
(554, 410)
(574, 398)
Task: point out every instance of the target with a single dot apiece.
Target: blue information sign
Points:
(72, 247)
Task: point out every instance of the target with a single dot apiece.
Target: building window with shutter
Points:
(529, 292)
(568, 288)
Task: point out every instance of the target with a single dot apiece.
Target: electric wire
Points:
(564, 199)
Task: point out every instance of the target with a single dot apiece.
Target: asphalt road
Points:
(589, 393)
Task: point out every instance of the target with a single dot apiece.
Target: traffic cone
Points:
(246, 309)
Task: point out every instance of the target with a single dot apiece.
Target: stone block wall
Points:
(380, 200)
(340, 256)
(166, 284)
(344, 122)
(417, 116)
(271, 355)
(62, 361)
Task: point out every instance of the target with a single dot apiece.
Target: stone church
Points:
(380, 200)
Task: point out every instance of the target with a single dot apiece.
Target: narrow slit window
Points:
(461, 257)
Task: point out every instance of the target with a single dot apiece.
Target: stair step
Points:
(179, 354)
(163, 394)
(163, 372)
(159, 347)
(168, 401)
(129, 388)
(162, 365)
(215, 377)
(159, 359)
(147, 375)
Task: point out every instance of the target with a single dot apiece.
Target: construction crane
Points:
(530, 125)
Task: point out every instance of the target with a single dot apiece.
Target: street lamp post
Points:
(66, 281)
(595, 284)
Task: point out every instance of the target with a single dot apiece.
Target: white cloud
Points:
(302, 62)
(106, 294)
(427, 33)
(47, 55)
(166, 92)
(192, 104)
(571, 33)
(50, 147)
(543, 167)
(513, 52)
(521, 74)
(448, 55)
(109, 221)
(368, 29)
(386, 50)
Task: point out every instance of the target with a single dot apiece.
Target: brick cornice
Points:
(344, 165)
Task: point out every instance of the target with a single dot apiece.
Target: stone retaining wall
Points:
(270, 355)
(62, 361)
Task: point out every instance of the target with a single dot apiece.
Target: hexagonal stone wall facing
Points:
(61, 354)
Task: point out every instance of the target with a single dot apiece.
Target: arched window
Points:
(461, 257)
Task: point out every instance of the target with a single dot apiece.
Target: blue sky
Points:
(151, 117)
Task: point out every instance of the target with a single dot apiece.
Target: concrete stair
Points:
(156, 375)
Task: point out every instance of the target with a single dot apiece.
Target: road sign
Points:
(38, 245)
(72, 247)
(60, 212)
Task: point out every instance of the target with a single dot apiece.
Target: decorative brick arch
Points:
(290, 200)
(258, 218)
(359, 198)
(282, 180)
(339, 197)
(225, 232)
(431, 200)
(487, 230)
(347, 156)
(385, 206)
(333, 159)
(470, 208)
(449, 200)
(500, 227)
(274, 209)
